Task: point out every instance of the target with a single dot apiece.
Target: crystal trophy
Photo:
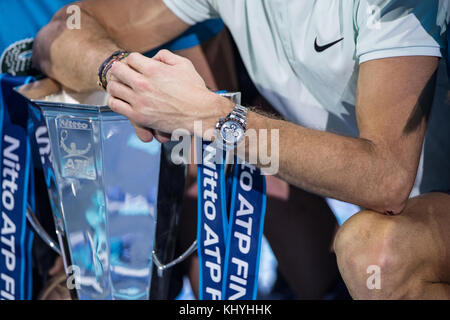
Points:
(105, 196)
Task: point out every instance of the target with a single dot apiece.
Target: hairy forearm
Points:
(72, 56)
(356, 170)
(376, 170)
(350, 169)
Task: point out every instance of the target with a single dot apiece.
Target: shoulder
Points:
(406, 27)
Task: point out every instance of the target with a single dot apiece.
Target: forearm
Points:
(350, 169)
(72, 57)
(356, 170)
(376, 170)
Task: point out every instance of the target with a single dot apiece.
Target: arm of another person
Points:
(376, 170)
(73, 56)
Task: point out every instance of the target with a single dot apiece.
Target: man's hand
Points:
(145, 134)
(164, 93)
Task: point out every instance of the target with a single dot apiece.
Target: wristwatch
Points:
(231, 129)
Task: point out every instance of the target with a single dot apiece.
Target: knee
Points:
(370, 257)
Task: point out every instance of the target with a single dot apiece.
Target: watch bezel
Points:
(238, 117)
(239, 128)
(225, 144)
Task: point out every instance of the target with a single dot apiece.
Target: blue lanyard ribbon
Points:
(17, 190)
(229, 249)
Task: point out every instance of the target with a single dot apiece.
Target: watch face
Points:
(232, 132)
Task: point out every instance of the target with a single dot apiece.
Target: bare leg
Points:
(412, 251)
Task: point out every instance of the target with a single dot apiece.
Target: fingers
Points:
(167, 57)
(120, 91)
(122, 108)
(147, 66)
(162, 137)
(125, 74)
(142, 64)
(146, 135)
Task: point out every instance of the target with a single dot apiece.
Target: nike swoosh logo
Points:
(327, 46)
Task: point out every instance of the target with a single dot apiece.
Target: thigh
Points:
(414, 247)
(411, 250)
(425, 224)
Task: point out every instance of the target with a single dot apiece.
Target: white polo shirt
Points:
(304, 57)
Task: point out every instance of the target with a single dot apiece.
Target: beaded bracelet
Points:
(106, 66)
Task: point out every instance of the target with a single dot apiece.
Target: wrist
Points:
(218, 107)
(104, 68)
